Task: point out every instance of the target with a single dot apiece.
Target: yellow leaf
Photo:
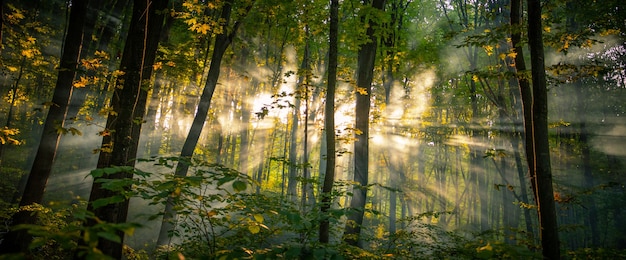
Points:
(258, 218)
(191, 21)
(254, 229)
(118, 73)
(488, 247)
(512, 55)
(362, 91)
(502, 56)
(102, 55)
(81, 83)
(157, 66)
(546, 29)
(488, 49)
(28, 53)
(203, 29)
(475, 78)
(487, 31)
(176, 192)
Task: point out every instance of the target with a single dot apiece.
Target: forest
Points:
(309, 129)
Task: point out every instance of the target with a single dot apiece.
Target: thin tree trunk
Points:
(222, 41)
(525, 91)
(40, 172)
(539, 136)
(129, 103)
(329, 125)
(295, 118)
(365, 71)
(589, 183)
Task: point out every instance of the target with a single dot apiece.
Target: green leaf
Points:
(110, 236)
(239, 186)
(97, 173)
(106, 201)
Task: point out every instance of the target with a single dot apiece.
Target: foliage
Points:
(60, 233)
(219, 219)
(7, 136)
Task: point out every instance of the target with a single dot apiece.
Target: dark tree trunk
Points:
(329, 122)
(539, 136)
(129, 103)
(222, 41)
(50, 137)
(365, 71)
(526, 97)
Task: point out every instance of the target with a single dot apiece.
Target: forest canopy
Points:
(265, 129)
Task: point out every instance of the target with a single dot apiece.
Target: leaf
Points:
(239, 186)
(254, 229)
(97, 173)
(110, 236)
(106, 201)
(485, 252)
(488, 49)
(75, 131)
(258, 218)
(81, 83)
(475, 78)
(362, 91)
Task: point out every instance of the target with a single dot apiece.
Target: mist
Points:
(447, 158)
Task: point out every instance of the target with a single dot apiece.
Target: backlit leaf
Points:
(254, 229)
(239, 186)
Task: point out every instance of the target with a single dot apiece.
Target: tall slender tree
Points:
(541, 153)
(128, 103)
(53, 127)
(329, 121)
(526, 97)
(365, 73)
(222, 41)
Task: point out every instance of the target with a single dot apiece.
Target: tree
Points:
(329, 122)
(52, 130)
(222, 41)
(541, 153)
(365, 71)
(127, 108)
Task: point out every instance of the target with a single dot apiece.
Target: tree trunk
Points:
(222, 41)
(129, 103)
(38, 178)
(526, 97)
(539, 136)
(329, 123)
(292, 180)
(365, 71)
(589, 183)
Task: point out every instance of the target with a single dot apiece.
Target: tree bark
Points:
(222, 41)
(329, 122)
(365, 71)
(526, 97)
(539, 136)
(19, 240)
(129, 103)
